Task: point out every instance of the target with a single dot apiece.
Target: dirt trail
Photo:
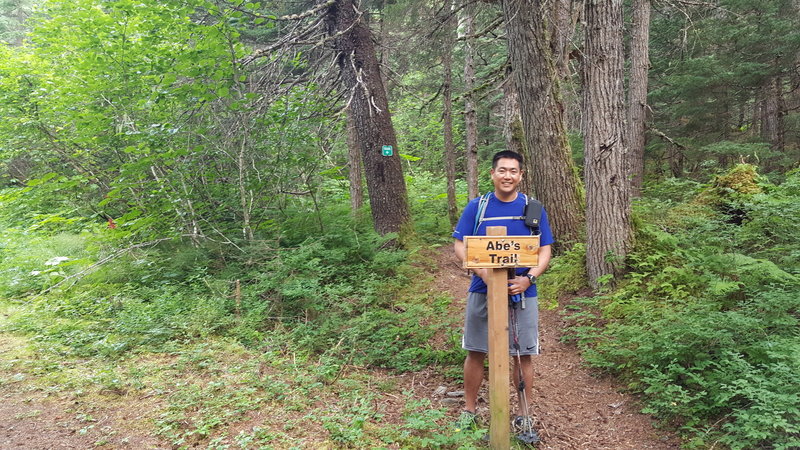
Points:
(574, 409)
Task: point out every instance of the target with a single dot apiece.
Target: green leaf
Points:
(409, 157)
(43, 179)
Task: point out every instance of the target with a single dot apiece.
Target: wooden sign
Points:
(500, 252)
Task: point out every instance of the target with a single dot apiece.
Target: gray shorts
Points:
(476, 326)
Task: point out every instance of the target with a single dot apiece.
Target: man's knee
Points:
(475, 356)
(524, 360)
(474, 362)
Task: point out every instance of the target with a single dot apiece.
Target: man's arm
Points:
(461, 250)
(461, 254)
(544, 261)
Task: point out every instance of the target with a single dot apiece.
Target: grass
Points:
(217, 393)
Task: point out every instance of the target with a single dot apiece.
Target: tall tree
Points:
(608, 226)
(449, 30)
(637, 92)
(470, 107)
(773, 109)
(554, 174)
(364, 87)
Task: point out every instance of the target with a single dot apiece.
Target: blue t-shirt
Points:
(514, 227)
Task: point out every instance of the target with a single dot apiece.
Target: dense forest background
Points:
(272, 174)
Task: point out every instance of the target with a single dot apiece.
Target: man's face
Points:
(506, 176)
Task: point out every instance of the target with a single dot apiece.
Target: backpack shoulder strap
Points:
(481, 211)
(532, 214)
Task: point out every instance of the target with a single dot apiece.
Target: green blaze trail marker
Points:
(387, 150)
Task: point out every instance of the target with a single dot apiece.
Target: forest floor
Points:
(574, 409)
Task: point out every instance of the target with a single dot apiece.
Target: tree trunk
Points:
(637, 92)
(608, 226)
(354, 161)
(555, 179)
(470, 109)
(772, 127)
(383, 55)
(361, 80)
(512, 129)
(563, 19)
(447, 100)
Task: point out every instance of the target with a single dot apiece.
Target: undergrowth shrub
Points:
(566, 275)
(31, 262)
(396, 338)
(705, 323)
(771, 230)
(427, 194)
(342, 295)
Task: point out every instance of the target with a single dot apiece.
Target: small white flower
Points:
(56, 260)
(35, 272)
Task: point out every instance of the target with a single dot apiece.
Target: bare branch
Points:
(489, 28)
(667, 138)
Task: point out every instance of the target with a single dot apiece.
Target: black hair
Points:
(508, 154)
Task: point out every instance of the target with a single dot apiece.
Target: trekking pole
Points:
(528, 435)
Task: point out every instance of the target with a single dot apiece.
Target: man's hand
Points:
(518, 284)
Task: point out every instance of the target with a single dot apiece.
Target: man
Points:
(505, 207)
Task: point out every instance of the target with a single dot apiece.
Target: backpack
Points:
(532, 214)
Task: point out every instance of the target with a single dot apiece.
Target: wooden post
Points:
(499, 253)
(497, 305)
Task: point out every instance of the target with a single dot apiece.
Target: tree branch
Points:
(667, 138)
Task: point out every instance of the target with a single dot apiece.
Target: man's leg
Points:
(473, 377)
(526, 364)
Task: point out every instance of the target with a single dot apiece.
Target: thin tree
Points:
(470, 107)
(555, 178)
(608, 226)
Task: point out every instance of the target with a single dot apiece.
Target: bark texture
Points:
(563, 18)
(512, 129)
(608, 227)
(361, 79)
(773, 129)
(470, 108)
(354, 161)
(637, 92)
(554, 175)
